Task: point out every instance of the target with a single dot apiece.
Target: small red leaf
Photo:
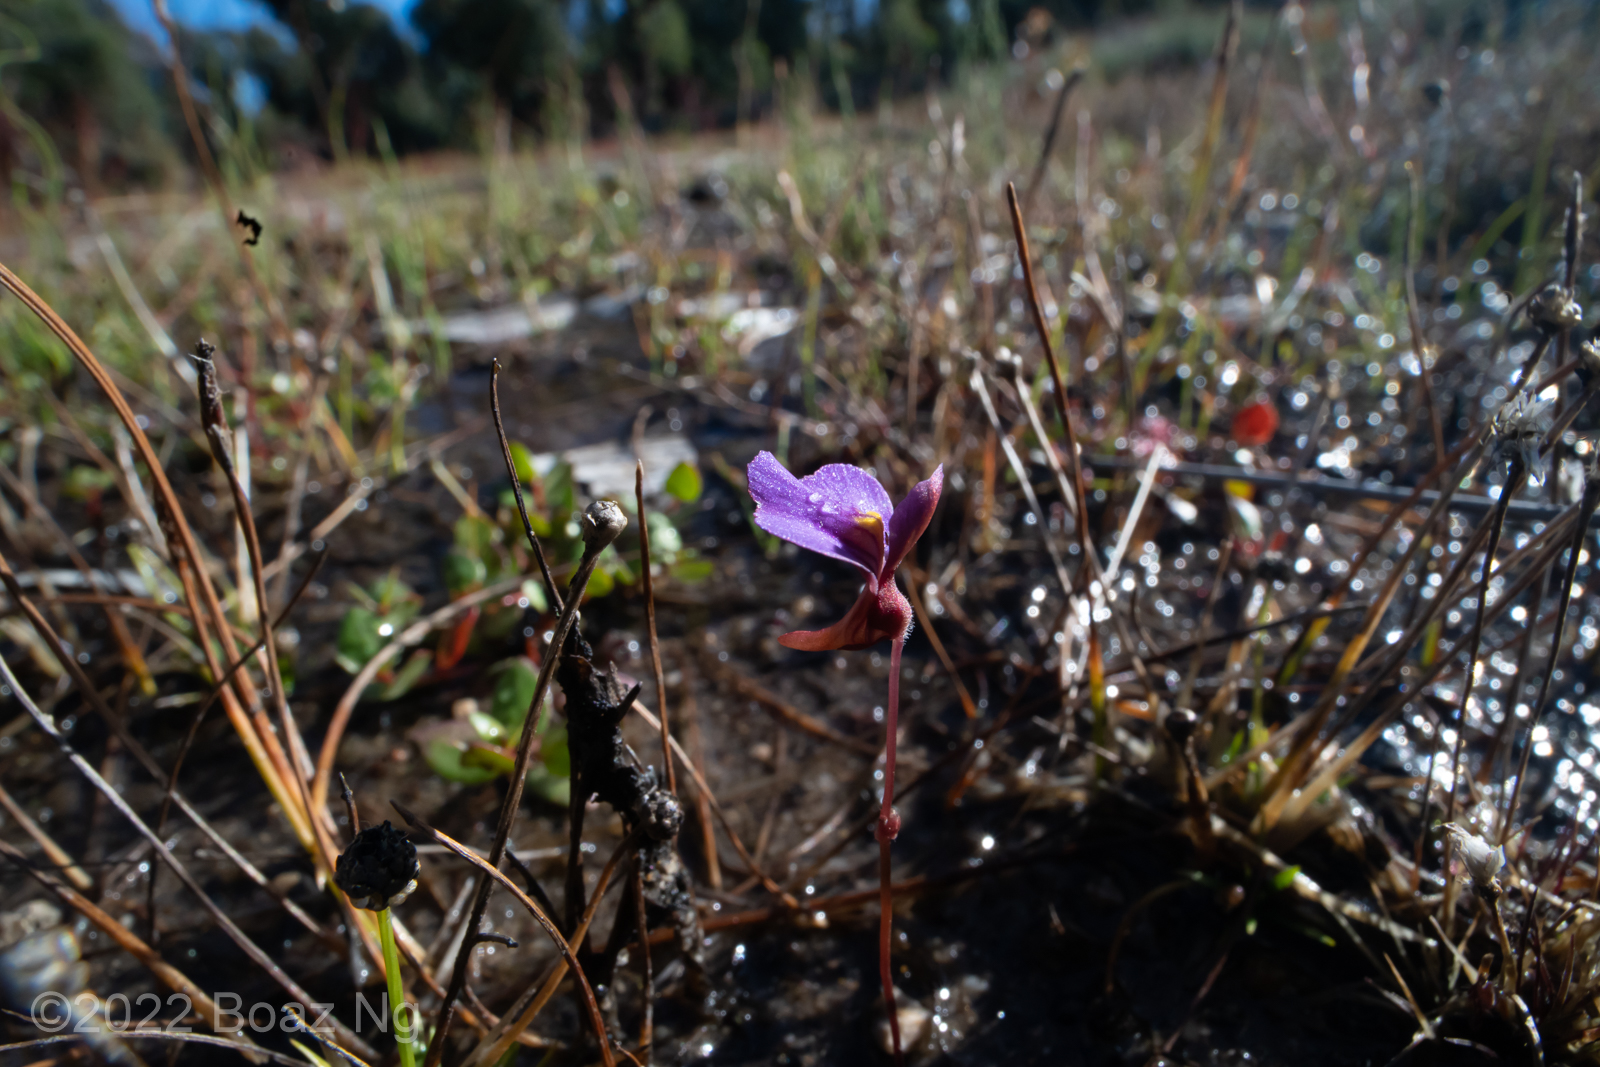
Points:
(1255, 424)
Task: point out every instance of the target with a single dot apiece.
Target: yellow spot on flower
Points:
(872, 521)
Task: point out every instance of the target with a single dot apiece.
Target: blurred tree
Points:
(352, 67)
(516, 49)
(74, 73)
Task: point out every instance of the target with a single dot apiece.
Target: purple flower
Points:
(842, 511)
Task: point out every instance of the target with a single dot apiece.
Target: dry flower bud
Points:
(1482, 860)
(1589, 359)
(1521, 426)
(603, 521)
(1554, 309)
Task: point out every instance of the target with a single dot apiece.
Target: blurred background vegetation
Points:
(327, 79)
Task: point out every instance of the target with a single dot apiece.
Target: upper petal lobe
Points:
(839, 511)
(909, 520)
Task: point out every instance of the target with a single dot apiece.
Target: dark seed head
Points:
(1181, 723)
(1553, 308)
(379, 869)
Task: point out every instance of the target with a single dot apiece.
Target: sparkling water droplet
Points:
(815, 498)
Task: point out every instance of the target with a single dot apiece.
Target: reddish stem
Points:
(888, 828)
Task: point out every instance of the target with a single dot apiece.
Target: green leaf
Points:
(552, 787)
(83, 482)
(558, 491)
(311, 1057)
(464, 573)
(553, 751)
(445, 759)
(614, 565)
(476, 536)
(516, 679)
(359, 639)
(409, 675)
(685, 483)
(491, 729)
(488, 758)
(522, 463)
(1285, 878)
(692, 571)
(533, 589)
(393, 595)
(665, 540)
(600, 583)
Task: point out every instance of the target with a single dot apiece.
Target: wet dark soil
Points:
(1029, 872)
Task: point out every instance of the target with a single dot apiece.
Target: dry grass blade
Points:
(132, 658)
(1074, 460)
(650, 626)
(226, 680)
(59, 856)
(197, 581)
(538, 913)
(1414, 315)
(125, 939)
(1048, 147)
(214, 422)
(782, 710)
(1586, 510)
(119, 727)
(229, 927)
(252, 1053)
(552, 591)
(495, 1043)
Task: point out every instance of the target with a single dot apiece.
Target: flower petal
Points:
(873, 617)
(909, 520)
(840, 511)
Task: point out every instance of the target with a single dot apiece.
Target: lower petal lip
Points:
(878, 614)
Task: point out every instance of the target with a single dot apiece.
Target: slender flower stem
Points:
(397, 992)
(888, 827)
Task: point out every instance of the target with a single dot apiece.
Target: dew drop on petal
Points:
(815, 498)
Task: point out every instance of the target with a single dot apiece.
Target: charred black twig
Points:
(251, 224)
(605, 767)
(602, 522)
